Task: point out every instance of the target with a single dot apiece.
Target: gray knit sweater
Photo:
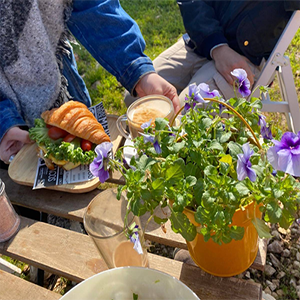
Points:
(31, 35)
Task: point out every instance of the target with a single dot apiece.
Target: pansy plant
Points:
(221, 157)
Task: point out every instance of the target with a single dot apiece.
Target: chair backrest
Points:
(280, 64)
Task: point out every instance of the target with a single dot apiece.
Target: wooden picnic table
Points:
(73, 255)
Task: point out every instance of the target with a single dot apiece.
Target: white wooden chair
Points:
(279, 64)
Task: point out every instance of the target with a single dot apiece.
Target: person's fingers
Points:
(176, 103)
(24, 138)
(228, 78)
(18, 134)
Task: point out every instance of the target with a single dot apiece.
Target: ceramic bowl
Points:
(122, 283)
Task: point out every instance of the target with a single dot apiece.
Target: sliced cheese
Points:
(54, 160)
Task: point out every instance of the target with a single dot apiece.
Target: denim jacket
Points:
(113, 39)
(251, 28)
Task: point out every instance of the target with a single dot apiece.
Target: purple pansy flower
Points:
(206, 93)
(194, 92)
(243, 168)
(243, 81)
(157, 147)
(134, 238)
(187, 106)
(146, 124)
(149, 138)
(262, 121)
(266, 133)
(99, 165)
(285, 155)
(264, 130)
(194, 96)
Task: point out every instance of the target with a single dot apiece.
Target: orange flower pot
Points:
(227, 259)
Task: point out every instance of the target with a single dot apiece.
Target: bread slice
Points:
(75, 118)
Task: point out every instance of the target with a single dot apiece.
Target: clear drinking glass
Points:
(104, 222)
(9, 220)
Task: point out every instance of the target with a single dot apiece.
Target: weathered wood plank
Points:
(16, 288)
(72, 206)
(74, 256)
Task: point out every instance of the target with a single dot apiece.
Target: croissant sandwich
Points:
(68, 135)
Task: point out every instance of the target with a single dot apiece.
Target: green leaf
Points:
(205, 232)
(215, 146)
(191, 181)
(225, 137)
(286, 220)
(176, 171)
(199, 189)
(205, 122)
(138, 208)
(181, 224)
(234, 149)
(278, 193)
(146, 194)
(135, 296)
(237, 233)
(158, 184)
(160, 220)
(262, 229)
(177, 147)
(274, 211)
(145, 162)
(210, 170)
(224, 168)
(160, 124)
(242, 189)
(256, 104)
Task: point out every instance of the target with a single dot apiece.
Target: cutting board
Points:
(22, 169)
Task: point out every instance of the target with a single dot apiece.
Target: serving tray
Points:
(22, 169)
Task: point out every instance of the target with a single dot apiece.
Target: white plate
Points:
(121, 283)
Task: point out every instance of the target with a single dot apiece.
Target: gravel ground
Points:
(281, 278)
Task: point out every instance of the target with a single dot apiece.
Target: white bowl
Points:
(122, 283)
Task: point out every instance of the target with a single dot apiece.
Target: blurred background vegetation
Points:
(161, 25)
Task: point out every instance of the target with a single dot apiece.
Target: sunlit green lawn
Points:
(161, 25)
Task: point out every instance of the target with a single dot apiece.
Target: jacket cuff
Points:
(9, 117)
(291, 5)
(209, 42)
(133, 74)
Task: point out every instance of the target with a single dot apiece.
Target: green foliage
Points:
(197, 158)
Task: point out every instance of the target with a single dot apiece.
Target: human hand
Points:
(154, 84)
(226, 60)
(12, 142)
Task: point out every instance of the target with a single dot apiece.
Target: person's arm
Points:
(202, 25)
(112, 37)
(12, 137)
(204, 29)
(115, 41)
